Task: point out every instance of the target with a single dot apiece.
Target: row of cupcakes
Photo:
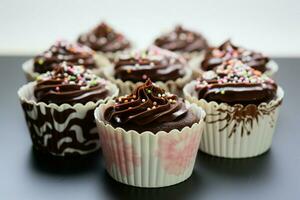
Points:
(103, 46)
(149, 135)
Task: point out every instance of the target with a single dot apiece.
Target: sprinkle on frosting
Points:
(154, 63)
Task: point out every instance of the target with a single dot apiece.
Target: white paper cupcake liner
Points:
(127, 87)
(147, 159)
(236, 131)
(30, 75)
(61, 130)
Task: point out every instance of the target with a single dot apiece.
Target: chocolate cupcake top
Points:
(149, 108)
(236, 83)
(227, 51)
(104, 38)
(182, 40)
(154, 63)
(64, 51)
(70, 84)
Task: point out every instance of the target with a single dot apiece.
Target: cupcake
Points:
(167, 69)
(59, 52)
(216, 56)
(59, 108)
(242, 107)
(190, 44)
(106, 42)
(150, 137)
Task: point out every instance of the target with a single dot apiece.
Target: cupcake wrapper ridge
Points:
(236, 131)
(147, 159)
(61, 130)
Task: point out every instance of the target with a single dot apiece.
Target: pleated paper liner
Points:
(236, 131)
(61, 130)
(147, 159)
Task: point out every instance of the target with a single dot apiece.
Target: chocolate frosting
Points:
(216, 56)
(64, 51)
(236, 83)
(146, 108)
(70, 84)
(155, 63)
(104, 38)
(182, 40)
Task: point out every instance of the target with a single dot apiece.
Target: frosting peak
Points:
(146, 106)
(154, 63)
(227, 51)
(64, 51)
(236, 83)
(70, 84)
(182, 40)
(104, 38)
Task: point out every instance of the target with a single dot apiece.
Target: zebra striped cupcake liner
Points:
(62, 130)
(147, 159)
(236, 131)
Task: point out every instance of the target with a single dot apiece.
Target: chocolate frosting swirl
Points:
(148, 106)
(216, 56)
(64, 51)
(70, 84)
(155, 63)
(104, 38)
(236, 83)
(182, 40)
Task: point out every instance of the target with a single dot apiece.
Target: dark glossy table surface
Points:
(26, 175)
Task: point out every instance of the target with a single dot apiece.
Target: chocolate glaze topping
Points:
(70, 84)
(155, 63)
(236, 83)
(64, 51)
(104, 38)
(148, 108)
(216, 56)
(182, 40)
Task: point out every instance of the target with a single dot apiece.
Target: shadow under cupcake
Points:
(59, 107)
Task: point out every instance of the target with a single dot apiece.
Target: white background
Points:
(271, 26)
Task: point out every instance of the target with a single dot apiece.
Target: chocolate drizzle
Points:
(182, 40)
(155, 63)
(70, 84)
(64, 51)
(149, 108)
(227, 51)
(104, 38)
(236, 83)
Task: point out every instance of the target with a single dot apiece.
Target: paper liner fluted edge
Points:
(52, 135)
(127, 87)
(218, 143)
(141, 159)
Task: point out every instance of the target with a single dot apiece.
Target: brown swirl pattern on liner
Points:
(70, 84)
(216, 56)
(244, 116)
(61, 133)
(64, 51)
(154, 63)
(149, 107)
(182, 40)
(103, 38)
